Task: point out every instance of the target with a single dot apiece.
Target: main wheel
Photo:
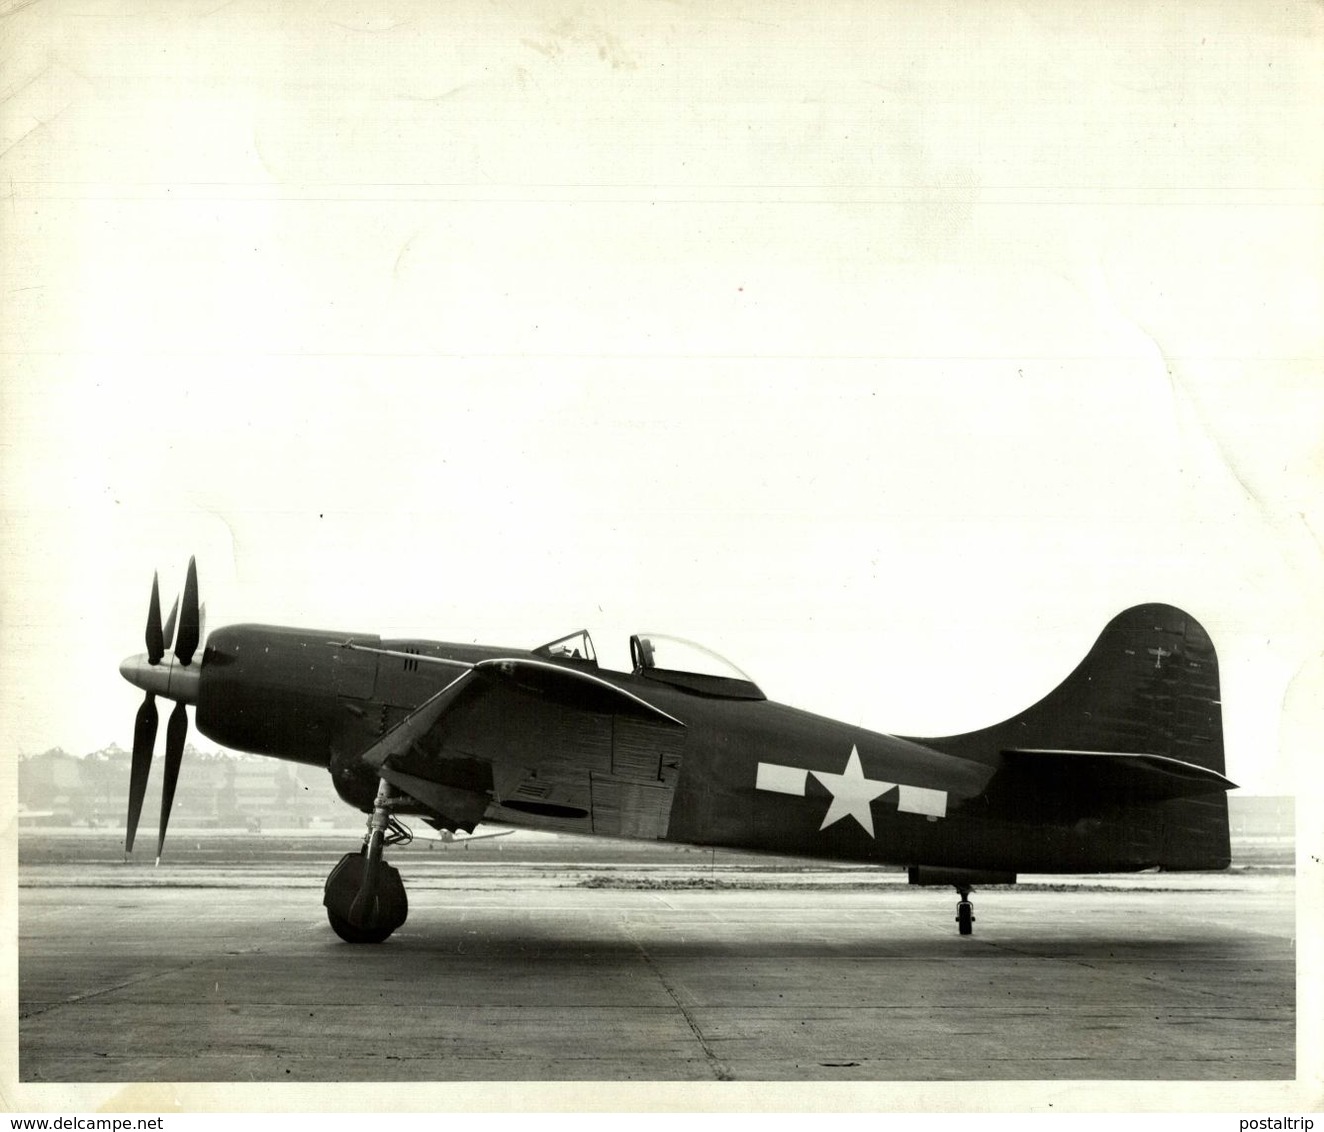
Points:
(389, 908)
(965, 917)
(350, 934)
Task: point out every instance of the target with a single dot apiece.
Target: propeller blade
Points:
(155, 640)
(176, 732)
(187, 641)
(169, 637)
(202, 624)
(144, 738)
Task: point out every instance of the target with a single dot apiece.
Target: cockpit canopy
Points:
(683, 664)
(666, 660)
(576, 646)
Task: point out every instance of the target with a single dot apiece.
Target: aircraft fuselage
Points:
(741, 772)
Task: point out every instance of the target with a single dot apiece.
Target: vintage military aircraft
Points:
(1120, 768)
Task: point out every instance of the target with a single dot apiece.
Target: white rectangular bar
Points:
(919, 800)
(781, 779)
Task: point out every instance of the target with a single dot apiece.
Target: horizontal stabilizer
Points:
(1111, 777)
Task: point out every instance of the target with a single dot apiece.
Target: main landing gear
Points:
(365, 897)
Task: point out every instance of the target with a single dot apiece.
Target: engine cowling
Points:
(278, 691)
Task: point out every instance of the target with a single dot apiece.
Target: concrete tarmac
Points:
(506, 971)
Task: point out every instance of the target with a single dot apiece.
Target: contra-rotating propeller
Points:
(176, 678)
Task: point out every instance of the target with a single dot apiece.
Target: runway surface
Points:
(667, 968)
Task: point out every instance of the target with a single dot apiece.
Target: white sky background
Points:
(889, 352)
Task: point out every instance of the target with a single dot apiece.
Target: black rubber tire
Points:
(965, 918)
(342, 890)
(350, 934)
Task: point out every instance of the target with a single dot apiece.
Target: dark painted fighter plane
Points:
(1120, 768)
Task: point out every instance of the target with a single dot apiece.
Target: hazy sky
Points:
(889, 352)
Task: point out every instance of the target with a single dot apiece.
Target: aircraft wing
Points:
(572, 687)
(567, 687)
(518, 736)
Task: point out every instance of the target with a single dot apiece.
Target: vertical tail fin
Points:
(1149, 686)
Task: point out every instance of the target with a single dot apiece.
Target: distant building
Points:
(50, 788)
(1250, 815)
(220, 789)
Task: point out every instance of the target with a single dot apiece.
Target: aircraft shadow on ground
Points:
(519, 944)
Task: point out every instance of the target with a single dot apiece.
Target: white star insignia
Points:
(851, 793)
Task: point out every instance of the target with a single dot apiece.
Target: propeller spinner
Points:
(176, 678)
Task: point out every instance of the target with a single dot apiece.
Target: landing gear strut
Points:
(965, 911)
(365, 898)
